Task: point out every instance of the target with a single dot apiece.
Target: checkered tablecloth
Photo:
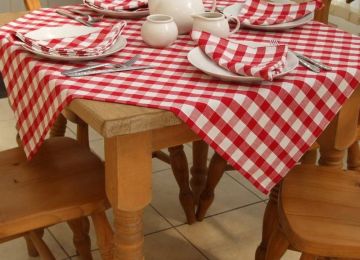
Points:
(262, 130)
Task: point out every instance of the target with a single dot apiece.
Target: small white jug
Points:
(214, 23)
(159, 30)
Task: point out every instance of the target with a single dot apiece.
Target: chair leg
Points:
(36, 238)
(32, 251)
(59, 127)
(216, 170)
(104, 235)
(278, 244)
(270, 222)
(180, 170)
(80, 228)
(310, 157)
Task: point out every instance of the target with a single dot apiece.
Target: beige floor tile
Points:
(232, 235)
(6, 112)
(16, 249)
(240, 178)
(8, 134)
(152, 222)
(93, 135)
(168, 245)
(229, 195)
(95, 254)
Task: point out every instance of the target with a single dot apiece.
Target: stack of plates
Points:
(54, 42)
(100, 6)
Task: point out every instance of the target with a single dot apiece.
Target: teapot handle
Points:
(213, 7)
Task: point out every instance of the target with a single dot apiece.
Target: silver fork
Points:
(305, 58)
(121, 65)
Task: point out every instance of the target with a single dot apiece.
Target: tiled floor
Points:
(231, 230)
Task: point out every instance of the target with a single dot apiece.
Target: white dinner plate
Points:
(122, 14)
(234, 10)
(201, 61)
(47, 33)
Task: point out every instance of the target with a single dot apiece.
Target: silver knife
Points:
(96, 66)
(103, 71)
(315, 62)
(309, 65)
(69, 15)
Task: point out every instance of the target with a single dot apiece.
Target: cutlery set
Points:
(307, 62)
(105, 68)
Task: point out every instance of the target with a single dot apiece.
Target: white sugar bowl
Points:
(159, 30)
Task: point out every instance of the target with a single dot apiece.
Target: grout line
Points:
(228, 174)
(60, 245)
(226, 211)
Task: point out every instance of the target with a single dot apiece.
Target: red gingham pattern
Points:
(258, 12)
(85, 45)
(117, 5)
(263, 62)
(262, 129)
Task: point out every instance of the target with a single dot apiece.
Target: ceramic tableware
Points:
(234, 10)
(215, 23)
(180, 10)
(201, 61)
(117, 46)
(159, 30)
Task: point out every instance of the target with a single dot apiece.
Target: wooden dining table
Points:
(132, 133)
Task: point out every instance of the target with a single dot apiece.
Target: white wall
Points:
(18, 5)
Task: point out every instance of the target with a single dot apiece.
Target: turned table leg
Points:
(270, 222)
(128, 187)
(199, 168)
(353, 160)
(216, 170)
(180, 170)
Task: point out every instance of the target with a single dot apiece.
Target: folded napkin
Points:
(262, 62)
(90, 44)
(117, 5)
(257, 12)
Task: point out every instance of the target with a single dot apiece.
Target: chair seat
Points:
(319, 210)
(64, 181)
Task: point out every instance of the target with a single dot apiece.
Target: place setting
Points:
(121, 9)
(247, 61)
(271, 16)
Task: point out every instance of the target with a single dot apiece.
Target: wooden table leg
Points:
(216, 170)
(128, 187)
(199, 168)
(270, 221)
(59, 127)
(353, 160)
(180, 170)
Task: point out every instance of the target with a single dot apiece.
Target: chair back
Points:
(322, 15)
(32, 4)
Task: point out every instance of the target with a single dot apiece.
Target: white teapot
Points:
(180, 10)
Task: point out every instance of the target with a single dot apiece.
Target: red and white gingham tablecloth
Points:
(262, 130)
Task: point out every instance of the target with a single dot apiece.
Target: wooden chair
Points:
(318, 214)
(64, 182)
